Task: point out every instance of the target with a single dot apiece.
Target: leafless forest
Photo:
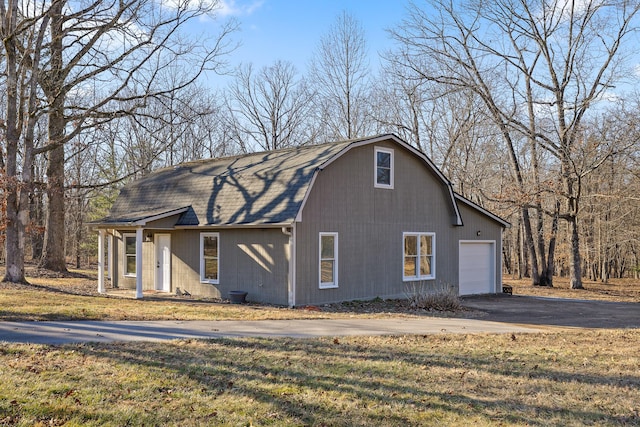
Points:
(529, 107)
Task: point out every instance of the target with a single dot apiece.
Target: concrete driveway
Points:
(110, 331)
(539, 311)
(493, 314)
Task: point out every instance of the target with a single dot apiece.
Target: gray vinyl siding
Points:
(256, 261)
(164, 223)
(370, 222)
(253, 260)
(129, 282)
(185, 264)
(342, 199)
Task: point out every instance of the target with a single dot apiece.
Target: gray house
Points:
(349, 220)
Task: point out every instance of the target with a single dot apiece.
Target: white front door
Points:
(163, 262)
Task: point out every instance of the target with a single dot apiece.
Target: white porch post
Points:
(110, 256)
(101, 288)
(139, 262)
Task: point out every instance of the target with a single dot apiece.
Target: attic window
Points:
(383, 167)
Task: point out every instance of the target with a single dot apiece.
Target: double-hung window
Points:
(209, 257)
(328, 260)
(383, 167)
(129, 254)
(419, 259)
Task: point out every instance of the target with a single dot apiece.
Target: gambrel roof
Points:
(259, 189)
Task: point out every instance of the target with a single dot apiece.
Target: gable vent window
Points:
(383, 168)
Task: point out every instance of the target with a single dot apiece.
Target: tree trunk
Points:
(15, 225)
(14, 233)
(549, 270)
(575, 261)
(530, 244)
(36, 224)
(53, 256)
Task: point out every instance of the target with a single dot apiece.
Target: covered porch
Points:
(133, 232)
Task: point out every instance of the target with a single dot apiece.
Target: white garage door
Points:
(477, 268)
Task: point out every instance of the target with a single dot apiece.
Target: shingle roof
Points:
(252, 189)
(247, 190)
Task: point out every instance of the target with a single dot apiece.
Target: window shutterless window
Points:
(419, 259)
(383, 167)
(328, 260)
(209, 257)
(129, 254)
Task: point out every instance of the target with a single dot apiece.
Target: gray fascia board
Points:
(232, 226)
(482, 210)
(138, 223)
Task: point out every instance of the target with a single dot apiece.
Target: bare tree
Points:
(610, 221)
(22, 34)
(339, 71)
(539, 68)
(118, 52)
(268, 109)
(405, 116)
(91, 63)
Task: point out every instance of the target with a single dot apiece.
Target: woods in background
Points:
(530, 108)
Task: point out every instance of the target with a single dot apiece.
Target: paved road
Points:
(499, 314)
(97, 331)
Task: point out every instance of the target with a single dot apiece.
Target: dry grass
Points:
(74, 297)
(624, 290)
(555, 379)
(558, 378)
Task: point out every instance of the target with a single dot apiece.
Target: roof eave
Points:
(234, 226)
(484, 211)
(140, 222)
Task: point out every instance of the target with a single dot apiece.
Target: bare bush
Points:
(438, 297)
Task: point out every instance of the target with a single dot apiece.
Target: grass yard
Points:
(560, 378)
(552, 379)
(75, 297)
(626, 290)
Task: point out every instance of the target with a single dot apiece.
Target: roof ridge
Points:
(303, 146)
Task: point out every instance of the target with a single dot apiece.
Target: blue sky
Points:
(290, 30)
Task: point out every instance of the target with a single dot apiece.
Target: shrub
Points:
(439, 297)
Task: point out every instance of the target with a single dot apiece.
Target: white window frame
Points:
(334, 282)
(125, 255)
(431, 276)
(202, 258)
(375, 168)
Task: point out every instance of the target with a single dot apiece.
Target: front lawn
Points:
(561, 378)
(75, 297)
(552, 379)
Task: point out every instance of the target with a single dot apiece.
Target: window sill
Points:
(417, 279)
(384, 187)
(328, 286)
